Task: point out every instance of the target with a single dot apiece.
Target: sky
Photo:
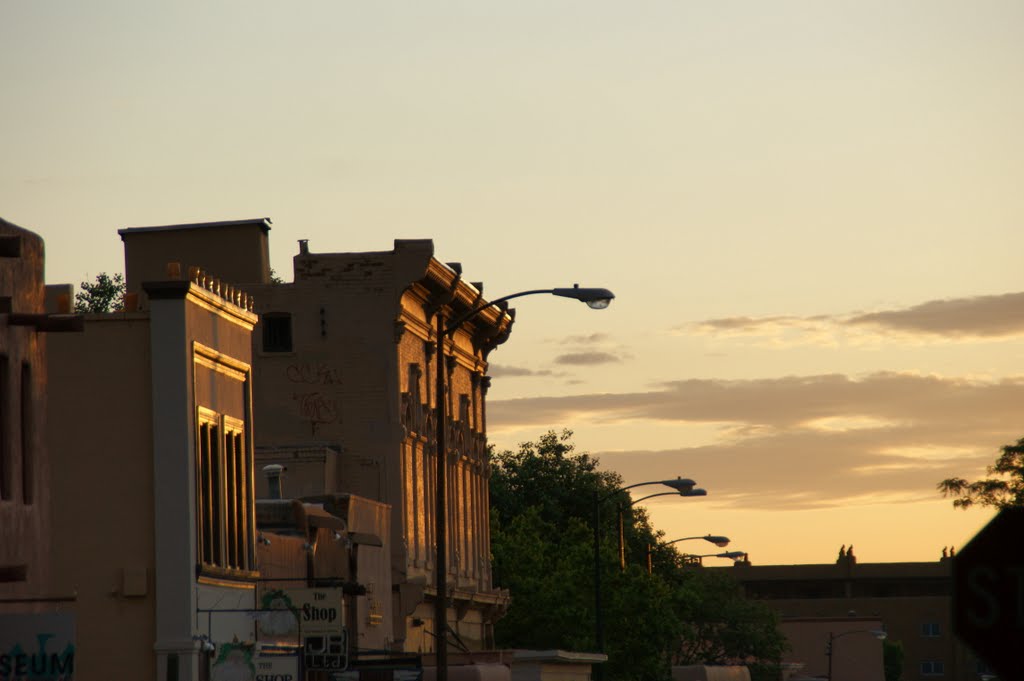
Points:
(809, 212)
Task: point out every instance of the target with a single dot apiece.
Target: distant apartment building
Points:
(36, 621)
(344, 369)
(911, 600)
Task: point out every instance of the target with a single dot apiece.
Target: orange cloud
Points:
(804, 441)
(963, 319)
(976, 317)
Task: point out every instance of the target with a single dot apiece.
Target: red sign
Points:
(988, 594)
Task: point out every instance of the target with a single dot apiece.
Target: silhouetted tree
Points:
(542, 505)
(100, 296)
(892, 659)
(1005, 489)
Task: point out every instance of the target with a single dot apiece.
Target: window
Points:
(224, 494)
(931, 630)
(277, 332)
(932, 668)
(5, 428)
(10, 246)
(27, 433)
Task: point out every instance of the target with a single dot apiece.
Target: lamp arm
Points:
(628, 487)
(457, 322)
(660, 494)
(680, 539)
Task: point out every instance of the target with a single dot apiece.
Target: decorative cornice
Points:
(205, 298)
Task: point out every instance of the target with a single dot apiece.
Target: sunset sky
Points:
(810, 213)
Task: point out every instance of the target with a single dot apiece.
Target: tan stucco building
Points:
(24, 516)
(153, 519)
(912, 601)
(37, 620)
(344, 371)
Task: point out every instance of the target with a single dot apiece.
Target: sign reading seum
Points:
(40, 647)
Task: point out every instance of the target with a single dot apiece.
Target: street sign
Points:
(285, 613)
(988, 594)
(326, 653)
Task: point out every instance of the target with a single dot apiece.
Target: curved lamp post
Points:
(732, 555)
(877, 633)
(716, 539)
(596, 298)
(682, 486)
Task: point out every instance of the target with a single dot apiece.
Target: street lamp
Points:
(696, 558)
(684, 492)
(682, 486)
(877, 633)
(595, 298)
(718, 540)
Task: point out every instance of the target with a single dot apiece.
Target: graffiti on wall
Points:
(313, 373)
(315, 406)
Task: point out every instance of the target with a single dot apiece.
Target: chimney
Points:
(273, 472)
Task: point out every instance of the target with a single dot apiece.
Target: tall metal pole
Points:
(440, 515)
(598, 621)
(828, 650)
(596, 298)
(622, 543)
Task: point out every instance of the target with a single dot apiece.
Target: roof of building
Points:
(263, 222)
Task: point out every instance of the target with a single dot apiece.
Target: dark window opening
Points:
(10, 246)
(27, 434)
(13, 573)
(5, 429)
(225, 529)
(277, 332)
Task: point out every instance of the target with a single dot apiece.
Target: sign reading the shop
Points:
(277, 667)
(287, 613)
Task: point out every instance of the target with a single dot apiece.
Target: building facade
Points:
(911, 600)
(150, 413)
(37, 621)
(345, 369)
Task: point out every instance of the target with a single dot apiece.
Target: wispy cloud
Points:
(805, 441)
(499, 371)
(588, 339)
(958, 319)
(977, 317)
(587, 358)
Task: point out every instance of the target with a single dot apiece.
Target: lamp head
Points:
(694, 492)
(595, 298)
(734, 555)
(717, 540)
(679, 484)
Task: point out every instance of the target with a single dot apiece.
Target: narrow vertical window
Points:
(216, 496)
(250, 521)
(5, 428)
(230, 503)
(225, 526)
(238, 494)
(27, 433)
(203, 493)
